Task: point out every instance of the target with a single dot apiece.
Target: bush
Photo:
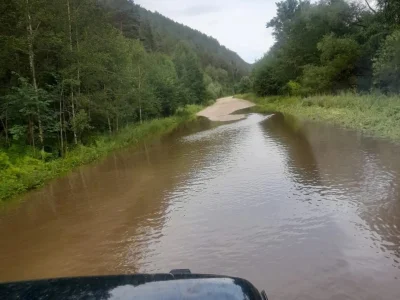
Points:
(387, 64)
(293, 88)
(244, 86)
(4, 161)
(316, 80)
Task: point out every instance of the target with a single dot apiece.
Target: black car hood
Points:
(143, 286)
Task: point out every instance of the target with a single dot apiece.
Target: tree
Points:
(164, 83)
(387, 64)
(322, 46)
(270, 74)
(72, 68)
(391, 11)
(30, 23)
(147, 36)
(244, 86)
(189, 74)
(335, 72)
(126, 17)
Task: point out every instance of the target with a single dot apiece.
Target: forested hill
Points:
(208, 49)
(159, 33)
(74, 68)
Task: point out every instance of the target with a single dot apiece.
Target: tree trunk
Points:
(32, 135)
(370, 7)
(61, 125)
(65, 131)
(72, 87)
(18, 63)
(73, 118)
(79, 63)
(5, 124)
(140, 112)
(6, 127)
(140, 95)
(33, 70)
(109, 124)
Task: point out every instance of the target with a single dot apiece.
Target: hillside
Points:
(159, 33)
(209, 49)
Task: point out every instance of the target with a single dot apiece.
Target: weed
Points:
(376, 114)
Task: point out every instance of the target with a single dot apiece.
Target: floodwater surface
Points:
(302, 210)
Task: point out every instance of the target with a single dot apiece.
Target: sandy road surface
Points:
(223, 108)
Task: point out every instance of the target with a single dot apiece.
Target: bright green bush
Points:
(294, 88)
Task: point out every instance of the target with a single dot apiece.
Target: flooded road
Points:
(303, 210)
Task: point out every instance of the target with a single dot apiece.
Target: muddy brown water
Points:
(303, 210)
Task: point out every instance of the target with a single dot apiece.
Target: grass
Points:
(374, 114)
(20, 173)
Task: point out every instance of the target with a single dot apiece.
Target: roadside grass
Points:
(22, 172)
(375, 114)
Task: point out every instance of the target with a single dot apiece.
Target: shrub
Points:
(293, 88)
(387, 64)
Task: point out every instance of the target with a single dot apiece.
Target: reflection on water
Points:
(304, 210)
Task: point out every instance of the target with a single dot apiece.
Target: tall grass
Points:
(22, 172)
(375, 114)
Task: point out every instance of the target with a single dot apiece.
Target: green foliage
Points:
(97, 65)
(169, 33)
(327, 47)
(375, 114)
(338, 57)
(214, 91)
(317, 79)
(24, 172)
(72, 70)
(220, 80)
(391, 11)
(269, 77)
(188, 111)
(189, 74)
(4, 161)
(245, 85)
(387, 64)
(18, 132)
(294, 88)
(81, 122)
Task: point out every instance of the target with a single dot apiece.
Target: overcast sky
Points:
(237, 24)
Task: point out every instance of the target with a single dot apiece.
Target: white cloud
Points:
(198, 10)
(237, 24)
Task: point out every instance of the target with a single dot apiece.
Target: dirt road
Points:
(222, 109)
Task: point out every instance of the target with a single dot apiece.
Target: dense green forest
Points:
(73, 70)
(329, 46)
(73, 67)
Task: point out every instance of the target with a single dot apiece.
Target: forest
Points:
(75, 70)
(333, 61)
(331, 46)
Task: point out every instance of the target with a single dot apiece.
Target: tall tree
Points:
(189, 74)
(32, 63)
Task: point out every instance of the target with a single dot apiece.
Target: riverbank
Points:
(21, 173)
(378, 115)
(222, 109)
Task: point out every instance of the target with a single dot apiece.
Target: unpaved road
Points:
(222, 109)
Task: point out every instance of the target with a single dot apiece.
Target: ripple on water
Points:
(304, 210)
